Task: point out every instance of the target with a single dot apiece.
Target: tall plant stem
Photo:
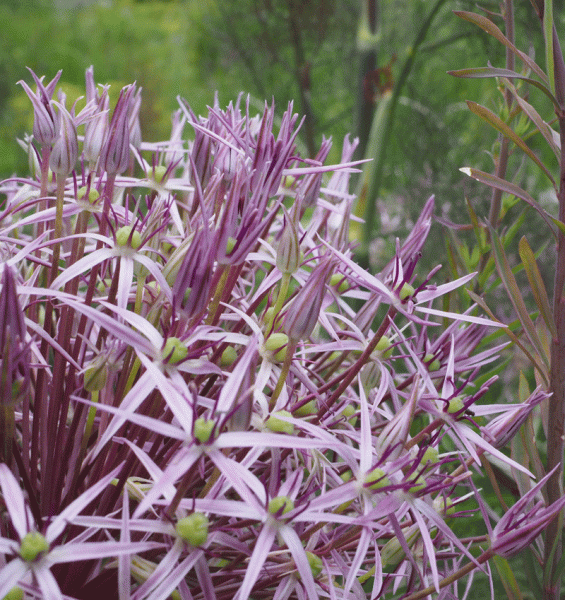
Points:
(380, 151)
(556, 412)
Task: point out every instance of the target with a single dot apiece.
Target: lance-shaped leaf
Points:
(511, 286)
(484, 72)
(511, 188)
(537, 285)
(550, 135)
(515, 340)
(488, 26)
(496, 122)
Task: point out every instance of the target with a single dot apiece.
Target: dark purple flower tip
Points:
(114, 157)
(65, 149)
(302, 316)
(45, 123)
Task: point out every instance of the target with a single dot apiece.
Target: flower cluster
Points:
(203, 396)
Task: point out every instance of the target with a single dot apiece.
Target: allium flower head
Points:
(204, 396)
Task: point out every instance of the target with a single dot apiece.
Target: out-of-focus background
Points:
(334, 58)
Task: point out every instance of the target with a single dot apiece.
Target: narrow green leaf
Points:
(488, 26)
(511, 188)
(496, 122)
(549, 134)
(507, 577)
(484, 72)
(536, 283)
(479, 301)
(515, 296)
(548, 35)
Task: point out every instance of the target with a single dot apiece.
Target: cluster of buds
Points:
(205, 396)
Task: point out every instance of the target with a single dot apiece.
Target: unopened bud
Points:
(276, 346)
(278, 425)
(282, 504)
(193, 529)
(125, 235)
(203, 429)
(32, 545)
(174, 351)
(376, 479)
(289, 255)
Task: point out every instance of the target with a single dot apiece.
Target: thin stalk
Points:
(370, 213)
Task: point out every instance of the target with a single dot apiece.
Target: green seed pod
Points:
(307, 409)
(445, 507)
(123, 237)
(338, 281)
(230, 245)
(93, 194)
(455, 405)
(15, 593)
(430, 455)
(229, 356)
(96, 375)
(433, 363)
(32, 545)
(392, 553)
(406, 291)
(157, 174)
(203, 429)
(377, 479)
(280, 502)
(193, 529)
(276, 345)
(384, 347)
(278, 425)
(174, 350)
(418, 485)
(315, 562)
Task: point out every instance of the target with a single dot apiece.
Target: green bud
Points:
(406, 291)
(377, 479)
(315, 563)
(32, 545)
(392, 553)
(176, 349)
(123, 236)
(15, 593)
(268, 317)
(306, 409)
(445, 507)
(278, 425)
(455, 405)
(229, 356)
(230, 245)
(384, 347)
(338, 281)
(193, 529)
(203, 429)
(96, 375)
(418, 485)
(433, 363)
(93, 194)
(279, 502)
(430, 455)
(278, 342)
(157, 174)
